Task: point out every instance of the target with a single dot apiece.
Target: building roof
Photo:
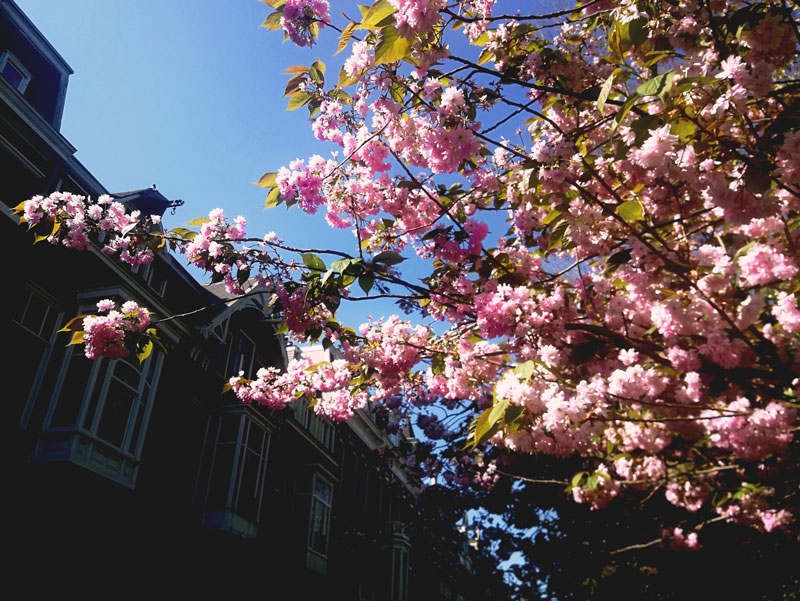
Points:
(42, 43)
(148, 200)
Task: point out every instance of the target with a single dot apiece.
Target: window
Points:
(156, 277)
(400, 549)
(34, 319)
(239, 354)
(14, 72)
(232, 472)
(99, 412)
(320, 428)
(320, 515)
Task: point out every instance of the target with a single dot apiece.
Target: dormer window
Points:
(14, 71)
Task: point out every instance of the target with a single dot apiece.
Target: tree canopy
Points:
(602, 203)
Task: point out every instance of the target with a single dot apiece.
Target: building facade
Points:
(121, 471)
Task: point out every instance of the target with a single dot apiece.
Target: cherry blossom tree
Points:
(605, 200)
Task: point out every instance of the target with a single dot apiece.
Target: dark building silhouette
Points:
(139, 474)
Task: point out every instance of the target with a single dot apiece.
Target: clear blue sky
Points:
(184, 94)
(187, 95)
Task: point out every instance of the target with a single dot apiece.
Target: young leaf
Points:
(375, 14)
(297, 100)
(391, 46)
(273, 198)
(631, 210)
(344, 39)
(267, 180)
(145, 351)
(296, 69)
(77, 338)
(317, 73)
(199, 221)
(498, 411)
(273, 21)
(606, 90)
(658, 85)
(74, 325)
(345, 79)
(623, 111)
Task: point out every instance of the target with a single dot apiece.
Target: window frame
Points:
(80, 441)
(228, 515)
(8, 58)
(315, 501)
(42, 336)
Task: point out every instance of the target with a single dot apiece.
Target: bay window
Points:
(232, 469)
(99, 412)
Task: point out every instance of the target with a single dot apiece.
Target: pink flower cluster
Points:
(303, 183)
(72, 219)
(105, 335)
(415, 17)
(326, 383)
(299, 17)
(213, 248)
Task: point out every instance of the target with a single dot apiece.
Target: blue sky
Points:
(183, 94)
(187, 95)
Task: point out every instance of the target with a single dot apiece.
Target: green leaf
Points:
(340, 265)
(273, 198)
(375, 14)
(345, 79)
(388, 258)
(606, 90)
(199, 221)
(267, 180)
(553, 215)
(687, 83)
(624, 110)
(154, 337)
(525, 370)
(183, 232)
(319, 66)
(317, 72)
(683, 128)
(658, 85)
(276, 4)
(577, 478)
(631, 210)
(391, 46)
(74, 325)
(633, 33)
(498, 411)
(312, 261)
(273, 21)
(437, 364)
(344, 39)
(77, 338)
(483, 429)
(297, 100)
(591, 481)
(366, 282)
(145, 351)
(481, 39)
